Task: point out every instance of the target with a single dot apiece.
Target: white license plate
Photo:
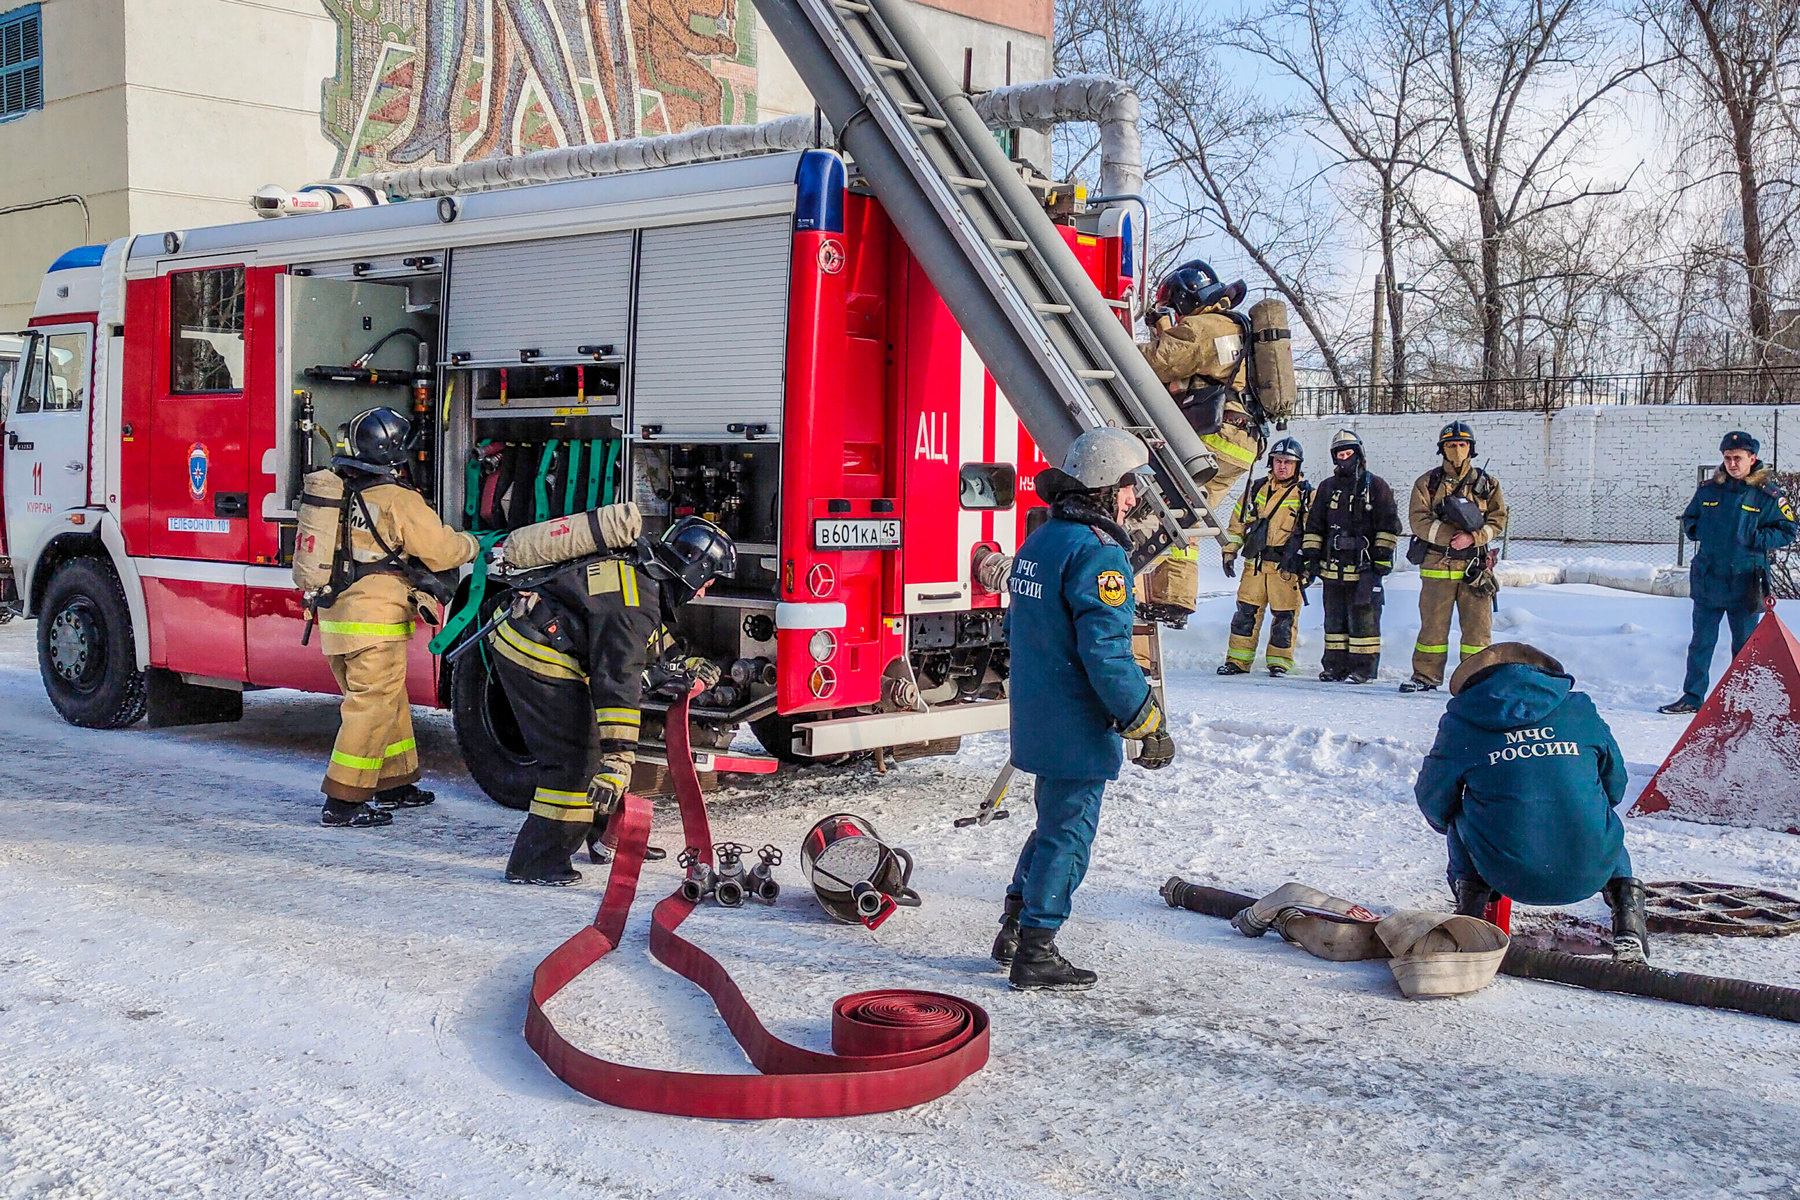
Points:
(851, 534)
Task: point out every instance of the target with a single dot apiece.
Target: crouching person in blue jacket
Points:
(1075, 689)
(1523, 782)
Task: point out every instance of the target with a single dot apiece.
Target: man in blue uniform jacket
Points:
(1523, 782)
(1737, 517)
(1076, 691)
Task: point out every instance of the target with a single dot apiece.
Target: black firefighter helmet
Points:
(692, 554)
(1457, 431)
(376, 440)
(1194, 286)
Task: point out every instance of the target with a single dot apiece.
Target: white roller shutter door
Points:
(711, 346)
(550, 296)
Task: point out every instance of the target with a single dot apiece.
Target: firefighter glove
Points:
(701, 670)
(1230, 564)
(605, 795)
(1156, 751)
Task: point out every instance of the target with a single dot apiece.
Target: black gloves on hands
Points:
(1156, 748)
(1231, 566)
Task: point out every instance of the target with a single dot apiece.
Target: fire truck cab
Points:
(748, 340)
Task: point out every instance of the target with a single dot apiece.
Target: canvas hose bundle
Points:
(512, 484)
(892, 1048)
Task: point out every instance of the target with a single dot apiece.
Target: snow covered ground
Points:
(204, 993)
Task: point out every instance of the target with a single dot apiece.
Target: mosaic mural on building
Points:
(443, 81)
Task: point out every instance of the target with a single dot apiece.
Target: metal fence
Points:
(1548, 393)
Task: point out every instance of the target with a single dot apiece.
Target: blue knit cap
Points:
(1737, 439)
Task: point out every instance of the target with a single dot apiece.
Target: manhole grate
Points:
(1683, 906)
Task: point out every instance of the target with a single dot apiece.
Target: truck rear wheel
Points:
(85, 650)
(488, 733)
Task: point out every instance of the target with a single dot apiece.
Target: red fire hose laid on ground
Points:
(893, 1048)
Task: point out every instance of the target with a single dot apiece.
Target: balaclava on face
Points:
(1348, 465)
(1456, 456)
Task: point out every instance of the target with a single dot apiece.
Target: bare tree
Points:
(1736, 82)
(1524, 84)
(1218, 158)
(1363, 69)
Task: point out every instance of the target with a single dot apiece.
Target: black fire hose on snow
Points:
(1577, 970)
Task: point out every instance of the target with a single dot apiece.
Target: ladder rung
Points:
(966, 181)
(1053, 310)
(850, 6)
(1095, 375)
(1121, 305)
(927, 122)
(909, 106)
(892, 64)
(1008, 244)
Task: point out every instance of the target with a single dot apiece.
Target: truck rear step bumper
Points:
(823, 739)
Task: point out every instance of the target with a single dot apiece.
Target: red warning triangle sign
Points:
(1739, 761)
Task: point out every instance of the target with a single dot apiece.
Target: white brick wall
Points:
(1607, 473)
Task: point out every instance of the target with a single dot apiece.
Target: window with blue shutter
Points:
(21, 62)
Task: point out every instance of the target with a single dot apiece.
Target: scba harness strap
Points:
(893, 1048)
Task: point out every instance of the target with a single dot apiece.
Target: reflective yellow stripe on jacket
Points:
(366, 629)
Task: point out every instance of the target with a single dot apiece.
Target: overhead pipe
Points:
(1576, 970)
(1109, 103)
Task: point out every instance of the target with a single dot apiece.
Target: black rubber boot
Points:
(352, 814)
(1679, 708)
(541, 852)
(1039, 967)
(1631, 928)
(1418, 685)
(1006, 942)
(407, 795)
(1330, 676)
(1472, 898)
(1231, 668)
(1276, 670)
(600, 848)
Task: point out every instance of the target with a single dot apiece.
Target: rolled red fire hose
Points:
(893, 1048)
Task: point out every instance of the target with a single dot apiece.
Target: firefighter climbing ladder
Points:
(1052, 343)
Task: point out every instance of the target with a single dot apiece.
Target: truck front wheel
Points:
(85, 650)
(488, 733)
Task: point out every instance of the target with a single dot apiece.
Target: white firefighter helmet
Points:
(1102, 458)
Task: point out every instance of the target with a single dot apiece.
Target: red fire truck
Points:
(748, 339)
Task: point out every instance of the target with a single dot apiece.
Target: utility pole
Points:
(1375, 338)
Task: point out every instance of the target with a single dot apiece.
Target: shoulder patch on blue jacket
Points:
(1112, 588)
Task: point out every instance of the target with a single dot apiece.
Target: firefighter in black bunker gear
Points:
(571, 655)
(1351, 531)
(379, 583)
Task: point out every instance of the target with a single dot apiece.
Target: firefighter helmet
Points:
(1346, 439)
(1194, 287)
(1102, 458)
(377, 437)
(692, 554)
(1288, 447)
(1457, 431)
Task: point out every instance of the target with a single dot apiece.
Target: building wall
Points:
(1612, 473)
(73, 146)
(168, 114)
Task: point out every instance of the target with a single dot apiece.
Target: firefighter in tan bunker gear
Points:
(1268, 537)
(1457, 514)
(1198, 349)
(366, 630)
